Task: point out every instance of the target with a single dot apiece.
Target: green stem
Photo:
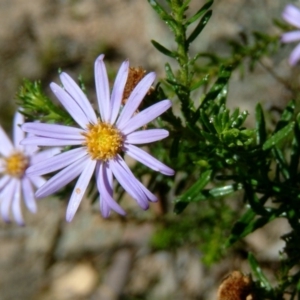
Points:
(178, 8)
(180, 38)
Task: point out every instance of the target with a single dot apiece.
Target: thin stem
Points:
(180, 38)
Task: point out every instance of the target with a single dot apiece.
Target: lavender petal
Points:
(291, 14)
(70, 105)
(295, 56)
(16, 204)
(28, 195)
(6, 198)
(41, 141)
(54, 131)
(6, 147)
(118, 90)
(145, 116)
(146, 136)
(29, 150)
(37, 181)
(291, 36)
(148, 160)
(135, 99)
(102, 89)
(80, 189)
(18, 133)
(78, 95)
(2, 165)
(3, 182)
(43, 155)
(105, 189)
(104, 208)
(150, 196)
(61, 179)
(127, 181)
(57, 162)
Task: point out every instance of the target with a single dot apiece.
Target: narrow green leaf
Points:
(164, 50)
(210, 138)
(199, 13)
(185, 6)
(193, 191)
(216, 89)
(205, 177)
(169, 73)
(278, 136)
(258, 273)
(247, 223)
(217, 124)
(206, 122)
(224, 118)
(234, 116)
(163, 14)
(241, 228)
(214, 59)
(286, 115)
(281, 162)
(202, 23)
(158, 8)
(176, 86)
(238, 122)
(222, 96)
(257, 204)
(260, 125)
(225, 190)
(195, 130)
(179, 207)
(202, 81)
(288, 112)
(295, 155)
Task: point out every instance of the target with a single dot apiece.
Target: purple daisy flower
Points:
(291, 15)
(100, 141)
(15, 184)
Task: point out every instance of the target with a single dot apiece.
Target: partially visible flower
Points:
(15, 184)
(135, 75)
(100, 142)
(291, 14)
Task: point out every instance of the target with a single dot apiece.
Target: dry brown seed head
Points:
(236, 286)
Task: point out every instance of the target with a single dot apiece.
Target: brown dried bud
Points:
(135, 75)
(236, 286)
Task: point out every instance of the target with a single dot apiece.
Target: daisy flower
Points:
(15, 184)
(291, 15)
(101, 142)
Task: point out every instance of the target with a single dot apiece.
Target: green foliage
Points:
(218, 154)
(37, 106)
(202, 229)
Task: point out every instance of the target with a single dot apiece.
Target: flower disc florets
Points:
(16, 164)
(103, 141)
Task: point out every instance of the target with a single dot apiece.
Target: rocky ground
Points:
(93, 258)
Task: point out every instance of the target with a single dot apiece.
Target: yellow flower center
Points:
(16, 164)
(103, 141)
